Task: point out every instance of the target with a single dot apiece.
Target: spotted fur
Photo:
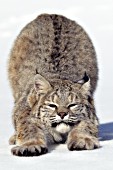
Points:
(53, 74)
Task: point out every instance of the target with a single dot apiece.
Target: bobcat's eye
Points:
(52, 105)
(73, 105)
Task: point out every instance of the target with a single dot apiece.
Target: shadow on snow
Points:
(106, 131)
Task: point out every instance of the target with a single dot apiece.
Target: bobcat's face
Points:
(63, 105)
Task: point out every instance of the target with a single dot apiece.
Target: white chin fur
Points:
(63, 128)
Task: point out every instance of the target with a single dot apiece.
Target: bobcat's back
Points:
(58, 48)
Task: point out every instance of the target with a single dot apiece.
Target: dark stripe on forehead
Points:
(51, 97)
(55, 55)
(71, 96)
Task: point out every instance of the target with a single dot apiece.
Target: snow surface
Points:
(96, 17)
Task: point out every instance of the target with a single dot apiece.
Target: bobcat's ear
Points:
(85, 82)
(42, 86)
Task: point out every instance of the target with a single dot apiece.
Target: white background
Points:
(96, 16)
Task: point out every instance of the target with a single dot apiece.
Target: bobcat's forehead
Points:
(63, 94)
(62, 97)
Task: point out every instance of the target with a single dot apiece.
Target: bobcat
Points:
(53, 73)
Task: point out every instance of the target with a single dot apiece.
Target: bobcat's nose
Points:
(62, 114)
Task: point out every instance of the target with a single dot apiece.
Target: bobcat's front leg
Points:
(83, 137)
(30, 138)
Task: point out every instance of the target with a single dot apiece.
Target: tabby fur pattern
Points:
(53, 74)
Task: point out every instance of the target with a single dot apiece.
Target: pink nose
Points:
(62, 114)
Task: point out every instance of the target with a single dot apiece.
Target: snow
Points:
(96, 17)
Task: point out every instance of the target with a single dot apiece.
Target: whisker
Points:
(73, 117)
(52, 118)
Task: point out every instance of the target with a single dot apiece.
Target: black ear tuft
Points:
(85, 78)
(36, 71)
(85, 83)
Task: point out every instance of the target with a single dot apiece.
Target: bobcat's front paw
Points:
(82, 142)
(31, 150)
